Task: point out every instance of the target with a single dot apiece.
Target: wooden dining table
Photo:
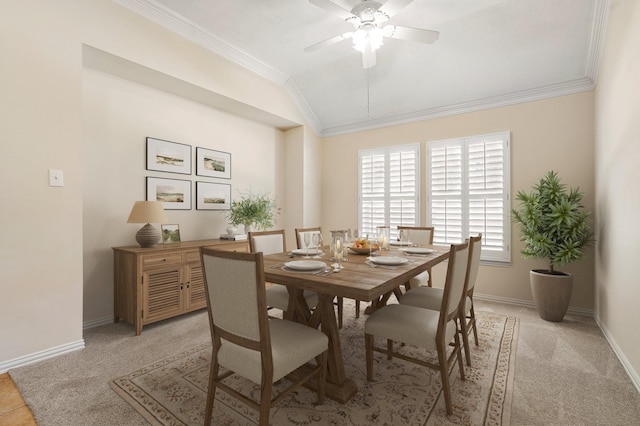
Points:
(358, 279)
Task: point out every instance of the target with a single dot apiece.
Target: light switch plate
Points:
(56, 178)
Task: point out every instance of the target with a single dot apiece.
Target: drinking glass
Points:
(404, 237)
(307, 241)
(317, 242)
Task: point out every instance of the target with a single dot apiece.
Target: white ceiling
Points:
(490, 53)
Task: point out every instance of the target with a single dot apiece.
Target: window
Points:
(389, 188)
(468, 192)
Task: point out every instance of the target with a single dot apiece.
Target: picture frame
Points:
(175, 194)
(170, 233)
(213, 196)
(212, 163)
(167, 156)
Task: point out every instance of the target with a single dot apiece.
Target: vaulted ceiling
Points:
(489, 53)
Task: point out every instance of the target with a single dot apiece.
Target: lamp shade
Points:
(147, 212)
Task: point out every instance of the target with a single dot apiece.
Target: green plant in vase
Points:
(554, 226)
(253, 210)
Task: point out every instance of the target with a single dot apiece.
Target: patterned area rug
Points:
(173, 391)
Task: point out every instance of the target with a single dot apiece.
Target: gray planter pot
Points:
(551, 293)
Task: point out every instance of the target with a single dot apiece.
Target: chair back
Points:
(267, 242)
(420, 235)
(300, 233)
(475, 250)
(455, 281)
(236, 297)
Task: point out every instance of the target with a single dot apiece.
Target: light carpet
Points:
(173, 391)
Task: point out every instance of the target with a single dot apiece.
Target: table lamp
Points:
(147, 212)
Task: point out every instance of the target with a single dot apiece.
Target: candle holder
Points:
(384, 234)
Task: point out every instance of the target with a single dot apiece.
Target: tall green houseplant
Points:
(554, 226)
(253, 209)
(553, 222)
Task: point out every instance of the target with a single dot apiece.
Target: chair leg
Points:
(465, 338)
(211, 393)
(389, 349)
(357, 308)
(458, 348)
(444, 376)
(368, 349)
(265, 402)
(473, 324)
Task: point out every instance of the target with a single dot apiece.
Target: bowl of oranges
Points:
(364, 246)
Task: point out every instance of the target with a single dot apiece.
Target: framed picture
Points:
(175, 194)
(165, 156)
(213, 196)
(213, 163)
(170, 234)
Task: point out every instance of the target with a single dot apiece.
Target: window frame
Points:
(388, 197)
(489, 255)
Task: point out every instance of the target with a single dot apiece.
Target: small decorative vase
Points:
(247, 228)
(232, 230)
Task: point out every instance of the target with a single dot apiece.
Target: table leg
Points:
(339, 387)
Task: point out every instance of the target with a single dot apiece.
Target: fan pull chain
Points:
(368, 96)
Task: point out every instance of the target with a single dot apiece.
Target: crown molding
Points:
(583, 84)
(176, 23)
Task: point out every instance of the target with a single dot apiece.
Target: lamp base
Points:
(148, 236)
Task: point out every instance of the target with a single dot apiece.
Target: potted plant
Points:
(553, 226)
(253, 209)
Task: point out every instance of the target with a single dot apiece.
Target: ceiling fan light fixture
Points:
(367, 37)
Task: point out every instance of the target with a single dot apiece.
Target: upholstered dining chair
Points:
(433, 330)
(431, 297)
(300, 232)
(270, 242)
(422, 236)
(246, 342)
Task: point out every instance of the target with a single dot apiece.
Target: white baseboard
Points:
(40, 356)
(633, 375)
(528, 304)
(97, 322)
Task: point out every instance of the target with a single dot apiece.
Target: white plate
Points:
(400, 243)
(305, 265)
(388, 260)
(418, 250)
(303, 252)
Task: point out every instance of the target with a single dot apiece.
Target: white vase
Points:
(247, 228)
(232, 230)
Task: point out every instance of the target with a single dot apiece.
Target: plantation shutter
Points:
(468, 192)
(389, 188)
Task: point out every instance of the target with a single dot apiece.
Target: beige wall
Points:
(114, 169)
(617, 178)
(554, 134)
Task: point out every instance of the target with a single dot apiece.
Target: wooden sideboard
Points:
(156, 283)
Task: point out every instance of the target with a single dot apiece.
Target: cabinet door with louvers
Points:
(163, 289)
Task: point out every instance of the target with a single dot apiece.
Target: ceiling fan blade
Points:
(412, 34)
(368, 58)
(391, 7)
(328, 42)
(341, 10)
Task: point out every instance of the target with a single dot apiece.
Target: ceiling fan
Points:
(367, 18)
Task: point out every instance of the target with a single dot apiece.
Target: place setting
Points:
(314, 267)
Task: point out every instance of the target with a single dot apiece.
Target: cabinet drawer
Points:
(161, 259)
(193, 256)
